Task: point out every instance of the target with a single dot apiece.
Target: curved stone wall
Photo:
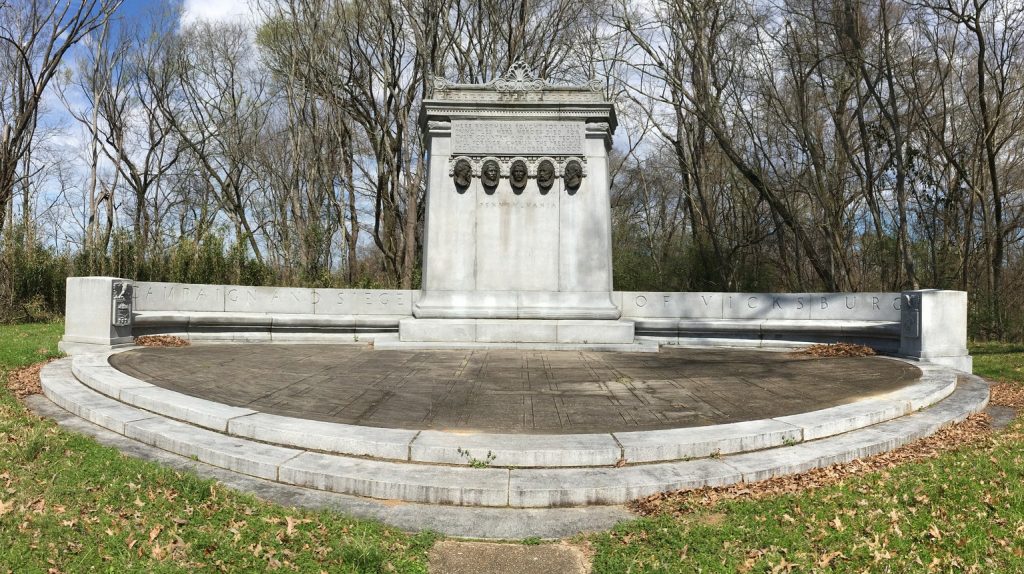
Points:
(929, 325)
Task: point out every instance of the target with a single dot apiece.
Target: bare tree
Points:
(993, 38)
(217, 113)
(133, 76)
(34, 37)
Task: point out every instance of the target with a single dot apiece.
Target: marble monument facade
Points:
(518, 221)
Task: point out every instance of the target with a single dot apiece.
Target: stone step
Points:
(508, 450)
(391, 342)
(494, 487)
(502, 523)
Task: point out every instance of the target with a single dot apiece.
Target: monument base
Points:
(546, 305)
(69, 347)
(963, 362)
(566, 331)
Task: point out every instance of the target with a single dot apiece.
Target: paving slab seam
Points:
(409, 448)
(164, 415)
(410, 455)
(277, 476)
(622, 449)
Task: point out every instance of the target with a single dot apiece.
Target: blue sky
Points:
(69, 139)
(192, 9)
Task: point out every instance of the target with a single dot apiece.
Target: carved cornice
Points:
(518, 84)
(444, 109)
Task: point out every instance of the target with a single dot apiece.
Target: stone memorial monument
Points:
(518, 221)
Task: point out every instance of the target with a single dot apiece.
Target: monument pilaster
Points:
(98, 314)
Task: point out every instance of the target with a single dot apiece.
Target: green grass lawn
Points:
(960, 512)
(999, 361)
(71, 505)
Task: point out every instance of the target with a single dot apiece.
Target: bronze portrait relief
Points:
(490, 174)
(573, 175)
(462, 174)
(518, 175)
(545, 175)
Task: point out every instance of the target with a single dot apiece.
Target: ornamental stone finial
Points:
(519, 71)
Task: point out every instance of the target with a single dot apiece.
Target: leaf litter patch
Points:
(25, 381)
(837, 350)
(974, 430)
(161, 341)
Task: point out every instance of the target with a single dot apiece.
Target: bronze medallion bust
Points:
(518, 175)
(490, 174)
(573, 175)
(545, 175)
(463, 174)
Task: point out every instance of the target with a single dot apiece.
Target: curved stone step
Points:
(570, 487)
(348, 475)
(513, 450)
(494, 487)
(464, 521)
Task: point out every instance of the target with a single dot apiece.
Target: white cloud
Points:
(215, 10)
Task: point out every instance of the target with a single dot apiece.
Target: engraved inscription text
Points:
(516, 138)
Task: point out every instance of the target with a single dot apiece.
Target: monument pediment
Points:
(519, 95)
(518, 84)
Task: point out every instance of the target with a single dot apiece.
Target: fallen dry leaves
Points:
(974, 429)
(161, 341)
(1007, 395)
(837, 350)
(25, 381)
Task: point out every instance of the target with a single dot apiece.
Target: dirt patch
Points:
(713, 519)
(975, 429)
(837, 350)
(25, 381)
(161, 341)
(455, 557)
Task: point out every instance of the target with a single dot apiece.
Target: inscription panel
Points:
(152, 296)
(122, 304)
(496, 137)
(806, 306)
(520, 204)
(363, 302)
